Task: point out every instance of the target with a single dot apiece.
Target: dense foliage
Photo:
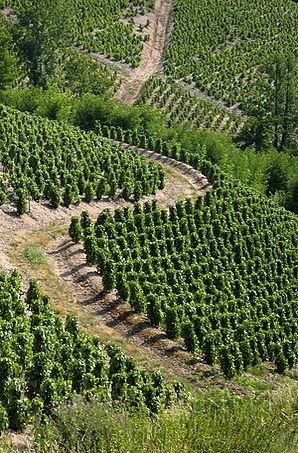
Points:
(214, 422)
(221, 272)
(45, 361)
(42, 159)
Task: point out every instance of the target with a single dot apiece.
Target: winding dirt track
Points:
(152, 55)
(84, 284)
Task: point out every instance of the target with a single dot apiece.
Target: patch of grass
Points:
(35, 254)
(258, 370)
(253, 384)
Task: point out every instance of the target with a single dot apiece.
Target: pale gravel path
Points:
(152, 55)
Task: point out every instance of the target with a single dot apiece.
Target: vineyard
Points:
(148, 204)
(113, 28)
(223, 47)
(217, 272)
(45, 361)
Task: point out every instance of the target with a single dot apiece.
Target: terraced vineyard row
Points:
(220, 272)
(41, 159)
(183, 108)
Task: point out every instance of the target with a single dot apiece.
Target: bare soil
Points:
(152, 55)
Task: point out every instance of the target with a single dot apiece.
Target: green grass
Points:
(216, 422)
(35, 254)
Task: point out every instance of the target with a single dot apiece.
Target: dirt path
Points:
(133, 79)
(77, 287)
(152, 55)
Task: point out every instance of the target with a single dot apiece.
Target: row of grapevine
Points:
(42, 159)
(45, 361)
(141, 140)
(221, 45)
(184, 108)
(221, 272)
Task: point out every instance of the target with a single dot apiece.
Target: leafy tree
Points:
(292, 198)
(8, 58)
(276, 115)
(44, 25)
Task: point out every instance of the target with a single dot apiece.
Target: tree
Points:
(44, 26)
(275, 116)
(8, 58)
(276, 177)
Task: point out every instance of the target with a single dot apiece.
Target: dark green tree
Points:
(44, 26)
(9, 62)
(275, 115)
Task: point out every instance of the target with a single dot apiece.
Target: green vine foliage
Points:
(222, 46)
(185, 109)
(110, 27)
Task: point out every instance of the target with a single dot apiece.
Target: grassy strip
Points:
(215, 423)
